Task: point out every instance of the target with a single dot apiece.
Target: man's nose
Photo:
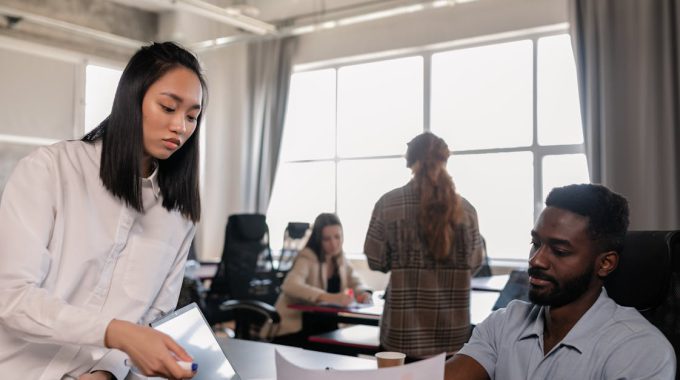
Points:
(538, 258)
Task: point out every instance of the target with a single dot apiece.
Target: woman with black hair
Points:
(94, 233)
(427, 236)
(320, 274)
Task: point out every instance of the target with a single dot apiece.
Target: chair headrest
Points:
(642, 278)
(247, 226)
(297, 230)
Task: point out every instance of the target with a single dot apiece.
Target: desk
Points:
(255, 360)
(490, 283)
(481, 303)
(359, 338)
(361, 315)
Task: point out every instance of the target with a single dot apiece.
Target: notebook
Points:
(188, 327)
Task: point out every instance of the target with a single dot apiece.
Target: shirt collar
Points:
(583, 331)
(534, 329)
(152, 181)
(597, 316)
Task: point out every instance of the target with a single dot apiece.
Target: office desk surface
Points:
(358, 336)
(255, 360)
(490, 283)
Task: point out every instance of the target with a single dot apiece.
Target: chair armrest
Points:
(253, 305)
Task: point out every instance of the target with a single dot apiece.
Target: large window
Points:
(508, 110)
(100, 88)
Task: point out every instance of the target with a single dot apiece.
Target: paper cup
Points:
(390, 359)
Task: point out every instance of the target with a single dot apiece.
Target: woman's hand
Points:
(341, 299)
(96, 375)
(365, 297)
(151, 351)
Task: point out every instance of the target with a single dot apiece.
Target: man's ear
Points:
(606, 263)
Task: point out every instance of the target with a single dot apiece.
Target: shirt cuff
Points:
(113, 361)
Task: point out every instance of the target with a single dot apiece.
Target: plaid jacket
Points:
(427, 303)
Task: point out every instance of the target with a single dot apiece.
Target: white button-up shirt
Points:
(73, 257)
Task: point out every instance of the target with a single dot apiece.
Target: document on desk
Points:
(428, 369)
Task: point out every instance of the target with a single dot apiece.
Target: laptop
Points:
(188, 327)
(517, 288)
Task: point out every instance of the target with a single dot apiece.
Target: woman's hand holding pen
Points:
(152, 352)
(365, 297)
(341, 299)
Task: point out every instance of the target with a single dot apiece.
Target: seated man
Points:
(572, 329)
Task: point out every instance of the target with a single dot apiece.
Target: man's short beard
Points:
(569, 292)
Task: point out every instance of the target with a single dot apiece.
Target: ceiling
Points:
(111, 27)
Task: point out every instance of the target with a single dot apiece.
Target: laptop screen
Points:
(517, 288)
(189, 329)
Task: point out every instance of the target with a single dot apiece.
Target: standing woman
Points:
(428, 237)
(320, 274)
(94, 233)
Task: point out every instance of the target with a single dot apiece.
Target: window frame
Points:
(426, 52)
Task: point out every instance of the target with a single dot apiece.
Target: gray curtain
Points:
(627, 54)
(269, 70)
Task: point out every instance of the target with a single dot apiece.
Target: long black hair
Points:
(314, 242)
(122, 135)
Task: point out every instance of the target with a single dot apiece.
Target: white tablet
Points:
(188, 327)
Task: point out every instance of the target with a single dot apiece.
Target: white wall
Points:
(225, 132)
(432, 26)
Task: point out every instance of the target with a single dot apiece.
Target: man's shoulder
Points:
(629, 333)
(629, 322)
(516, 315)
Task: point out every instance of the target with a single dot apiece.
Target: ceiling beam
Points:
(223, 15)
(71, 27)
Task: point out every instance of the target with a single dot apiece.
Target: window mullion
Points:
(537, 152)
(427, 75)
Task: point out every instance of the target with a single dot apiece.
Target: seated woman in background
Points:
(320, 274)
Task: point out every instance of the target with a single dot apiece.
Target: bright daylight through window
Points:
(100, 88)
(508, 110)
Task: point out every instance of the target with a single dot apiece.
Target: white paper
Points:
(428, 369)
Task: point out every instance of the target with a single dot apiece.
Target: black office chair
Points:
(648, 278)
(642, 278)
(251, 317)
(246, 271)
(294, 239)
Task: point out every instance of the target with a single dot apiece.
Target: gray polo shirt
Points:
(608, 342)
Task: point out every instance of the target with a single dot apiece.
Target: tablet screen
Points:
(189, 329)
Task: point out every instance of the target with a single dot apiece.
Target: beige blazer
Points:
(305, 282)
